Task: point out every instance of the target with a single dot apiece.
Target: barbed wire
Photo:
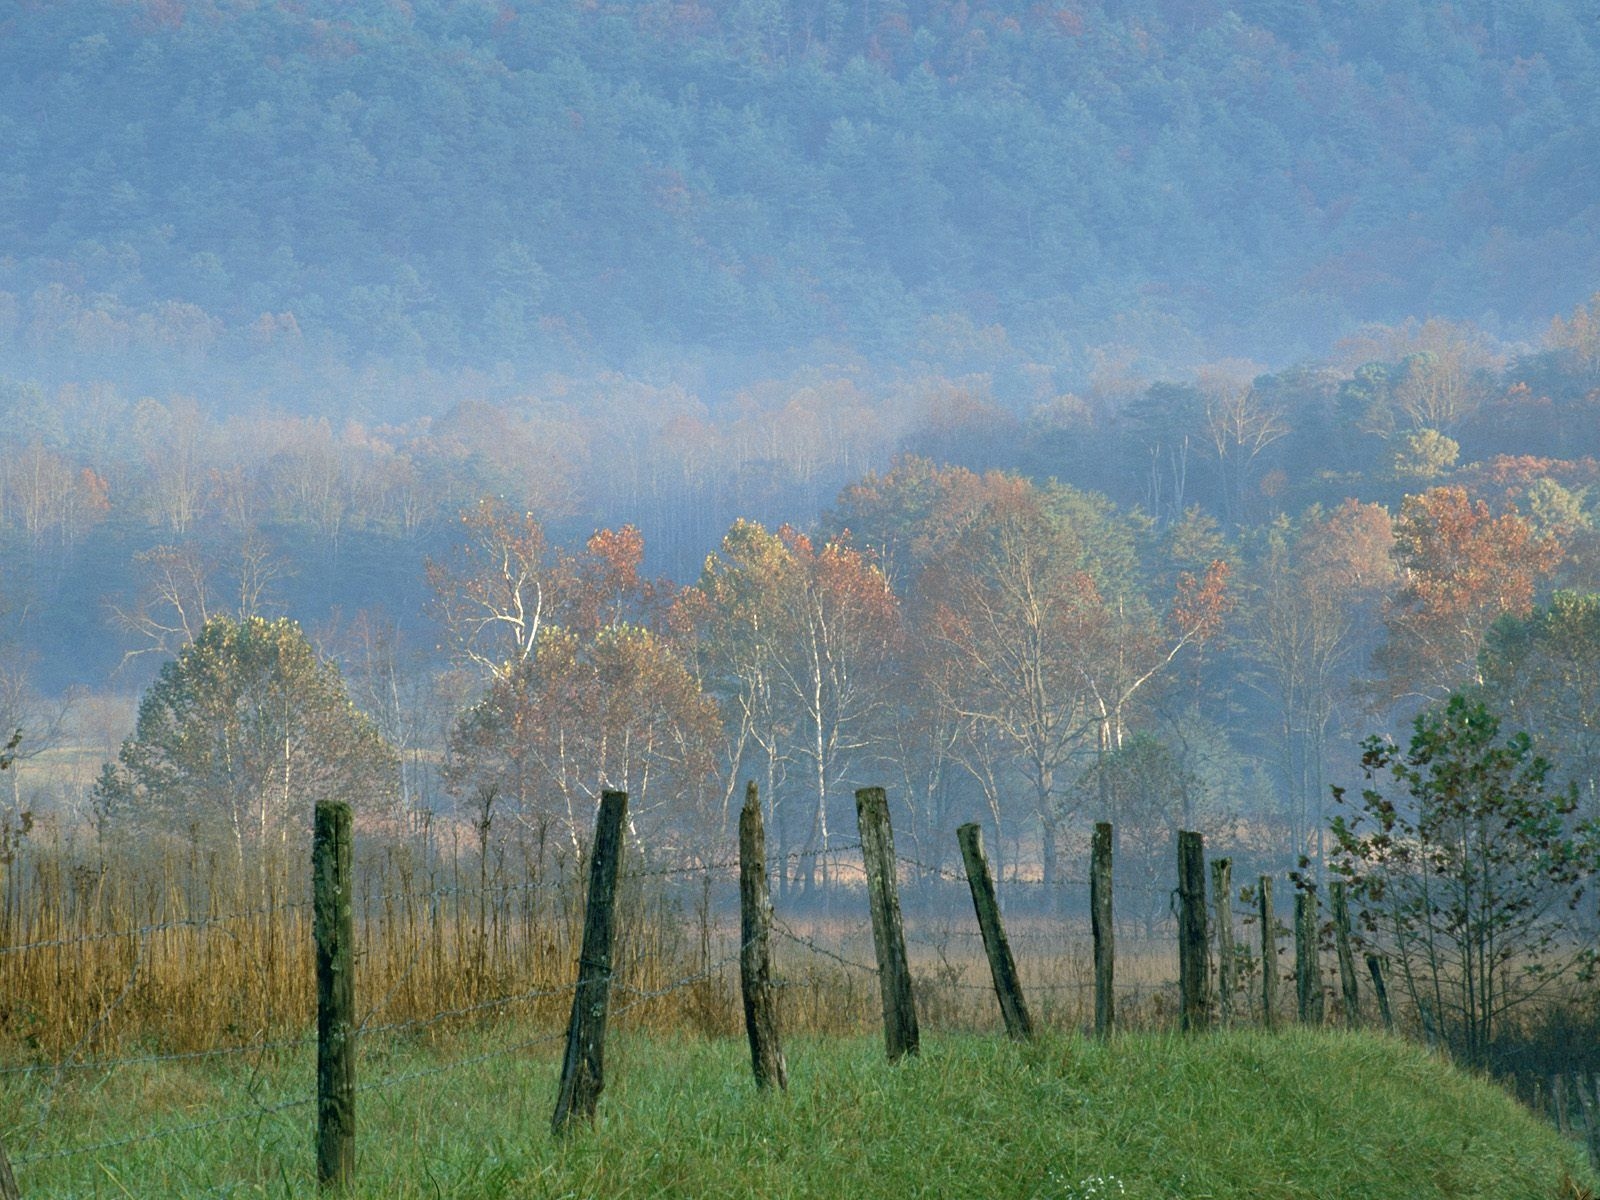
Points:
(366, 901)
(431, 896)
(389, 1082)
(386, 1083)
(941, 872)
(1051, 987)
(503, 1001)
(145, 931)
(1122, 887)
(706, 972)
(108, 1064)
(466, 1010)
(784, 931)
(66, 1063)
(640, 997)
(636, 996)
(58, 1077)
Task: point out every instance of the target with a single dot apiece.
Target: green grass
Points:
(1238, 1115)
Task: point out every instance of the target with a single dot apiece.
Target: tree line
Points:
(1021, 653)
(1276, 564)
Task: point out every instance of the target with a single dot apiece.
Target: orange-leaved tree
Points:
(1461, 568)
(586, 689)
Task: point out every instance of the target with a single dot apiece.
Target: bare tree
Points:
(41, 720)
(175, 597)
(1238, 428)
(179, 588)
(498, 590)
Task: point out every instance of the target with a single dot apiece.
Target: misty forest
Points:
(1183, 414)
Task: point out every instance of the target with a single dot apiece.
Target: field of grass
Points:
(1243, 1114)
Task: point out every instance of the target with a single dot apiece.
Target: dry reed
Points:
(110, 949)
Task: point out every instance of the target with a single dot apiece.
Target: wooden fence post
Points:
(1558, 1100)
(1594, 1134)
(1105, 947)
(1002, 967)
(1379, 991)
(333, 929)
(1192, 949)
(1347, 962)
(883, 893)
(1591, 1120)
(755, 957)
(1307, 961)
(1269, 953)
(1222, 905)
(8, 1181)
(582, 1068)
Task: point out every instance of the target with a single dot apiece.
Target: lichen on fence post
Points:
(1002, 966)
(888, 935)
(1269, 953)
(1222, 905)
(582, 1067)
(1307, 958)
(1347, 962)
(1194, 1012)
(336, 996)
(755, 954)
(1105, 944)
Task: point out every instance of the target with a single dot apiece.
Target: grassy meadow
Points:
(1240, 1114)
(155, 1041)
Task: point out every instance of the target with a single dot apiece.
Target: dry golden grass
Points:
(110, 953)
(109, 950)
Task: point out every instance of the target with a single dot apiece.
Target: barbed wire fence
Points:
(824, 949)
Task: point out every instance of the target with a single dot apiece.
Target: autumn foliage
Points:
(1462, 568)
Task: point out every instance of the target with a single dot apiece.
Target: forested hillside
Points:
(284, 193)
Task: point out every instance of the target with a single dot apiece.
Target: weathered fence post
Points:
(1379, 990)
(1594, 1127)
(1307, 961)
(1558, 1100)
(1347, 962)
(883, 893)
(8, 1181)
(1591, 1121)
(333, 929)
(755, 957)
(1105, 942)
(582, 1069)
(1002, 967)
(1269, 953)
(1192, 950)
(1222, 905)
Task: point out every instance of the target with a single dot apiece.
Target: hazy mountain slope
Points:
(473, 183)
